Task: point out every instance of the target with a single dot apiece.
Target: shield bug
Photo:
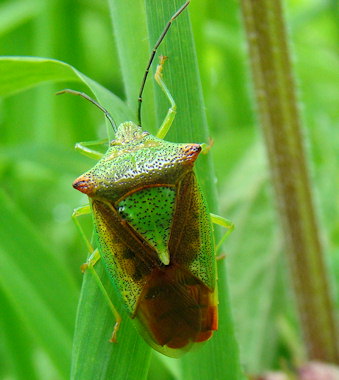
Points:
(154, 230)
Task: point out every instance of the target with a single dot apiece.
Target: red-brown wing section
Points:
(177, 308)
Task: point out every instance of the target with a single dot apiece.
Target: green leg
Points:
(216, 219)
(91, 261)
(166, 124)
(83, 148)
(205, 148)
(79, 211)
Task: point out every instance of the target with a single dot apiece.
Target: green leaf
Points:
(21, 73)
(32, 275)
(13, 14)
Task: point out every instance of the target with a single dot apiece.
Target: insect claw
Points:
(84, 267)
(163, 59)
(220, 257)
(114, 333)
(158, 72)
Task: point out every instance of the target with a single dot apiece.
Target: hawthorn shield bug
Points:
(154, 230)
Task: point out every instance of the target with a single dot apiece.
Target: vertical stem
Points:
(280, 120)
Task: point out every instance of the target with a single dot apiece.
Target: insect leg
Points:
(95, 257)
(83, 148)
(79, 211)
(94, 253)
(91, 261)
(166, 124)
(223, 222)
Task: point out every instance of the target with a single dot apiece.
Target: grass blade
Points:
(181, 76)
(22, 73)
(31, 276)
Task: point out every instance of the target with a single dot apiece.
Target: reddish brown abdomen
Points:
(177, 308)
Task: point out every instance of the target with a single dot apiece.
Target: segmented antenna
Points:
(83, 95)
(163, 34)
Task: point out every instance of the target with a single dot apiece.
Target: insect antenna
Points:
(83, 95)
(163, 34)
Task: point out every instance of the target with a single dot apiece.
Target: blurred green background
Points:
(38, 242)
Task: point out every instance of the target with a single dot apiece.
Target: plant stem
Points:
(277, 106)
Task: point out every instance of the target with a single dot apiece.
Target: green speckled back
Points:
(150, 212)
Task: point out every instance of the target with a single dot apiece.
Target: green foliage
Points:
(40, 250)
